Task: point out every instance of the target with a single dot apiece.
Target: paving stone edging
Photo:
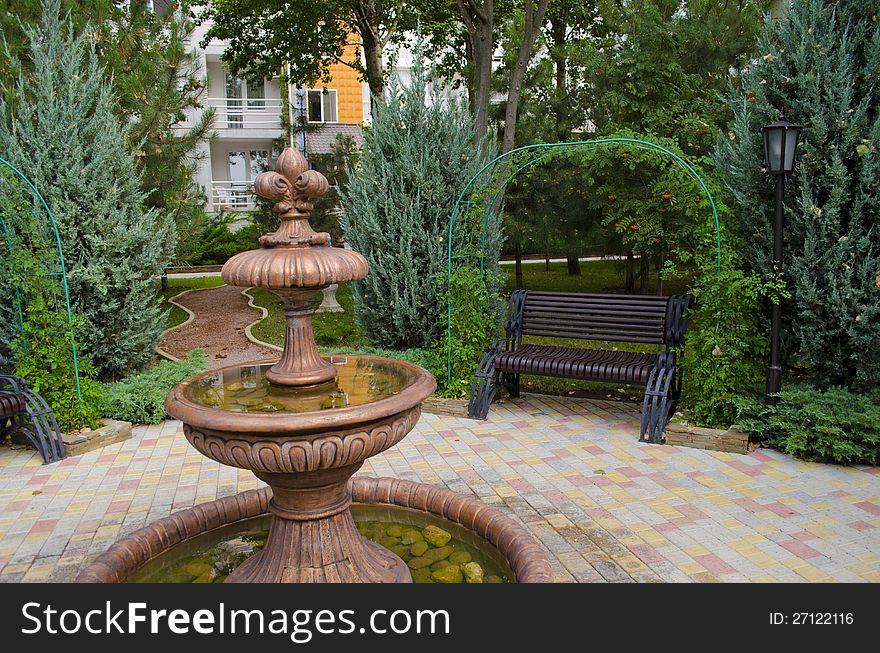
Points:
(113, 431)
(730, 440)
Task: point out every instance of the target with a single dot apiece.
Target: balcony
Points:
(233, 196)
(240, 114)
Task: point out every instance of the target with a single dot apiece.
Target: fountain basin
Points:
(515, 545)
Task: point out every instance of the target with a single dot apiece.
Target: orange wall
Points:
(348, 88)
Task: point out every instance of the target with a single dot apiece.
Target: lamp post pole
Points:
(780, 145)
(774, 368)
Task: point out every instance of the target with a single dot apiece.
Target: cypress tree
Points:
(417, 157)
(821, 65)
(63, 134)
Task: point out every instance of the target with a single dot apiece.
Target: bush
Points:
(217, 244)
(820, 63)
(834, 425)
(62, 133)
(416, 158)
(46, 364)
(474, 329)
(140, 398)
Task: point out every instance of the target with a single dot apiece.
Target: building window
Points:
(321, 106)
(239, 91)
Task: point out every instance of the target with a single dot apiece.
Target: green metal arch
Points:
(544, 151)
(63, 273)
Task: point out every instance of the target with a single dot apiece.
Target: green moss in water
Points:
(462, 558)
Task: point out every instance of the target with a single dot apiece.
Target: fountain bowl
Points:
(517, 546)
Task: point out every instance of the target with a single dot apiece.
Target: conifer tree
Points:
(819, 64)
(416, 159)
(63, 134)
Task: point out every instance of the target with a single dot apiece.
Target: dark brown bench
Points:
(647, 319)
(23, 410)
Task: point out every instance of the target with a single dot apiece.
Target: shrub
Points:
(217, 243)
(46, 364)
(61, 131)
(473, 330)
(140, 398)
(417, 157)
(834, 425)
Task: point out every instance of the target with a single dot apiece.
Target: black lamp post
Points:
(780, 143)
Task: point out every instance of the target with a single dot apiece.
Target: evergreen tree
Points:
(155, 78)
(416, 159)
(820, 65)
(64, 136)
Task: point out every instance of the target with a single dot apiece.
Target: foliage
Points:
(218, 243)
(156, 80)
(831, 425)
(46, 364)
(146, 60)
(42, 351)
(724, 347)
(266, 36)
(64, 136)
(140, 398)
(336, 166)
(659, 65)
(473, 329)
(416, 158)
(820, 64)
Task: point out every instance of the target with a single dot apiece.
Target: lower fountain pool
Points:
(436, 550)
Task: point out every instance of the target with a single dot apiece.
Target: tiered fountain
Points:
(305, 425)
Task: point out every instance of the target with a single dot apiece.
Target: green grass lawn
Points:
(331, 329)
(176, 286)
(596, 276)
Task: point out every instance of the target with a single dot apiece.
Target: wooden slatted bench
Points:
(646, 319)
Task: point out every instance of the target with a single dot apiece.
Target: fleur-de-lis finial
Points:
(292, 186)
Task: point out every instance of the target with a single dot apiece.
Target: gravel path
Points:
(222, 314)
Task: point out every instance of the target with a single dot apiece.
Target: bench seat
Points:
(573, 362)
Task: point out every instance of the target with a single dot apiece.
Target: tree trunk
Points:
(661, 260)
(778, 8)
(558, 28)
(629, 283)
(574, 266)
(534, 19)
(479, 22)
(165, 287)
(547, 262)
(518, 264)
(644, 273)
(371, 42)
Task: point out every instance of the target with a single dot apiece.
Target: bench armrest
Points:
(514, 323)
(677, 320)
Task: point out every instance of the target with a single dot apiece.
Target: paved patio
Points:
(606, 507)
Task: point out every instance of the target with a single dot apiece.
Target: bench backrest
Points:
(621, 318)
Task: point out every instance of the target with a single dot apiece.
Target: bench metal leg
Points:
(658, 404)
(40, 427)
(484, 387)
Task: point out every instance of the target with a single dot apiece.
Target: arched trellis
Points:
(61, 272)
(535, 154)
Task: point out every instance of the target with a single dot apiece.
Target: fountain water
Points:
(305, 425)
